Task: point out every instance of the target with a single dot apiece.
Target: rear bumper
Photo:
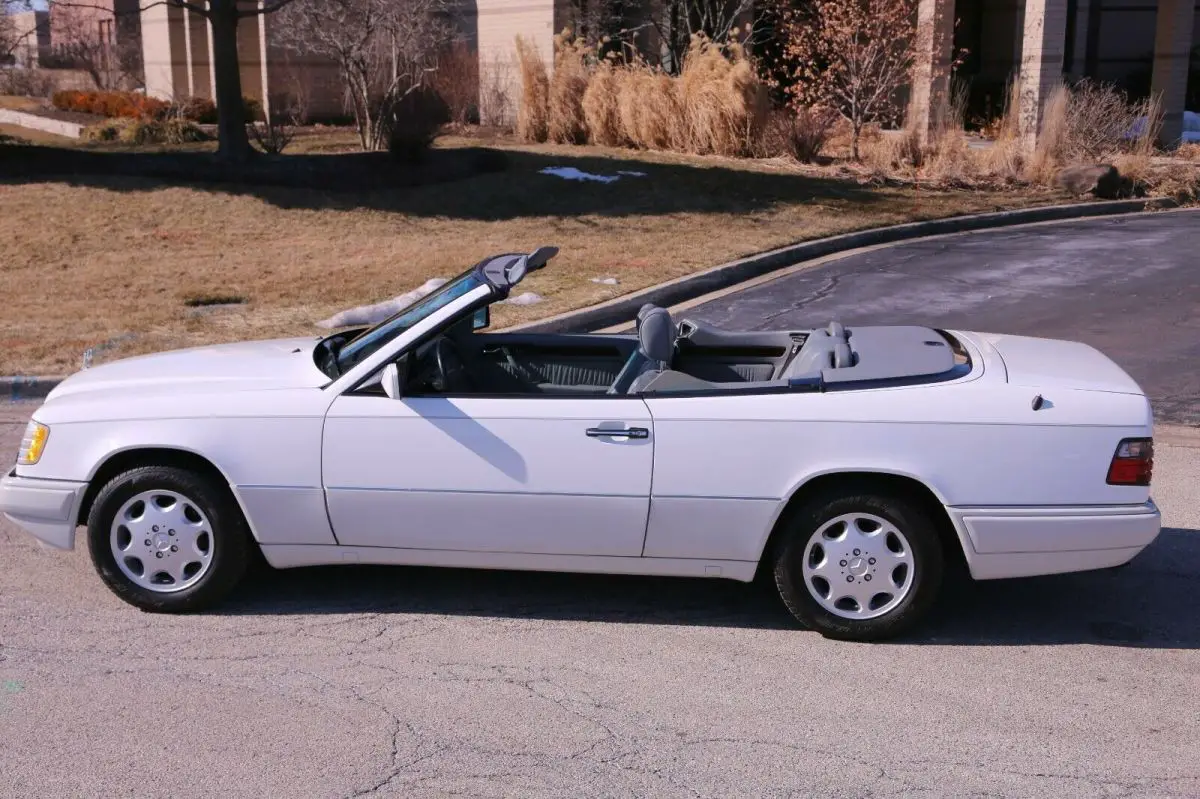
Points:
(1023, 542)
(46, 509)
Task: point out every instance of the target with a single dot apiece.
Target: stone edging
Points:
(623, 309)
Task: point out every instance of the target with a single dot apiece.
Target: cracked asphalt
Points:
(1128, 285)
(344, 682)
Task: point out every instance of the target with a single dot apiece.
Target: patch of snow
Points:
(528, 298)
(373, 314)
(571, 173)
(1191, 121)
(606, 281)
(1191, 127)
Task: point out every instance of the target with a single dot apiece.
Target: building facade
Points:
(1143, 45)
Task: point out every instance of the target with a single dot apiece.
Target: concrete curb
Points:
(23, 387)
(620, 310)
(623, 309)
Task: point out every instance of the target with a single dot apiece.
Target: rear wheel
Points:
(167, 539)
(859, 567)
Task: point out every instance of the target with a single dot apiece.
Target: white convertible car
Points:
(852, 465)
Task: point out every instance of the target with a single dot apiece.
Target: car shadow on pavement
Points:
(1149, 603)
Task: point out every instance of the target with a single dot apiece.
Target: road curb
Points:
(24, 387)
(623, 309)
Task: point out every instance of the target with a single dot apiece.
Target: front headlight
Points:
(33, 444)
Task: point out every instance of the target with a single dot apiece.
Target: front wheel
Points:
(859, 567)
(167, 540)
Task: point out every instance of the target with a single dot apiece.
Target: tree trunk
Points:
(232, 142)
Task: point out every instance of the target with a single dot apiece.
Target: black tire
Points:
(909, 518)
(231, 545)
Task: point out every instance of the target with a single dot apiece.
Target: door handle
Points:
(628, 432)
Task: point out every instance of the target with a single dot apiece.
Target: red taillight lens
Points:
(1132, 463)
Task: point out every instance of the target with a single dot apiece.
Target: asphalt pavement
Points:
(1128, 285)
(341, 682)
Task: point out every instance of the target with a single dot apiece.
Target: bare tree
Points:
(384, 49)
(11, 37)
(107, 48)
(851, 55)
(233, 142)
(676, 22)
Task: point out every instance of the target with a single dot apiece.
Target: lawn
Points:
(122, 262)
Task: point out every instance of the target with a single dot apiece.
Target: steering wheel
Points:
(452, 373)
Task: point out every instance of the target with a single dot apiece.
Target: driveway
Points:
(412, 682)
(1128, 285)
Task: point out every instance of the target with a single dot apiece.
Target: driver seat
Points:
(656, 348)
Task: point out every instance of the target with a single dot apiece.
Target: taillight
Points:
(1132, 463)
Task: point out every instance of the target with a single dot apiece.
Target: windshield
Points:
(367, 342)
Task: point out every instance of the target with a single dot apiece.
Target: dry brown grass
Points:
(533, 111)
(601, 111)
(119, 261)
(724, 103)
(1189, 151)
(566, 123)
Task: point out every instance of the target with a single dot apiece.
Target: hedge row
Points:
(134, 105)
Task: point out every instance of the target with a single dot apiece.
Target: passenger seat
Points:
(656, 349)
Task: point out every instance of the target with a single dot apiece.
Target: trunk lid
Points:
(1051, 363)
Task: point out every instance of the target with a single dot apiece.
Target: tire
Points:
(859, 566)
(187, 542)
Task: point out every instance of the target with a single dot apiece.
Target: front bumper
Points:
(1024, 542)
(46, 509)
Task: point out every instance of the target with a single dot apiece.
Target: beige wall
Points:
(500, 22)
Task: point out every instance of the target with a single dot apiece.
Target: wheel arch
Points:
(890, 483)
(131, 458)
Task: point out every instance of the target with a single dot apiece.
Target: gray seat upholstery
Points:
(656, 347)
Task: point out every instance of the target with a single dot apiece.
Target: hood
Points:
(1050, 363)
(280, 363)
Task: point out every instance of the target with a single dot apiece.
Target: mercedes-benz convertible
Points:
(852, 465)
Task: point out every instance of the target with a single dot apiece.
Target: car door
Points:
(537, 475)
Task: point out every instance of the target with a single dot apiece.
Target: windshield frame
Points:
(374, 338)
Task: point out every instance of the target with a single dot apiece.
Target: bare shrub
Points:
(1189, 151)
(274, 133)
(566, 121)
(533, 111)
(600, 107)
(496, 107)
(724, 103)
(26, 82)
(384, 49)
(800, 133)
(413, 123)
(457, 82)
(1089, 123)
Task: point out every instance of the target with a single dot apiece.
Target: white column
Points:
(931, 72)
(1042, 53)
(1172, 47)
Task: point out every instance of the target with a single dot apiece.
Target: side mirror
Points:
(390, 379)
(482, 318)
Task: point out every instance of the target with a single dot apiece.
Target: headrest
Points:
(656, 333)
